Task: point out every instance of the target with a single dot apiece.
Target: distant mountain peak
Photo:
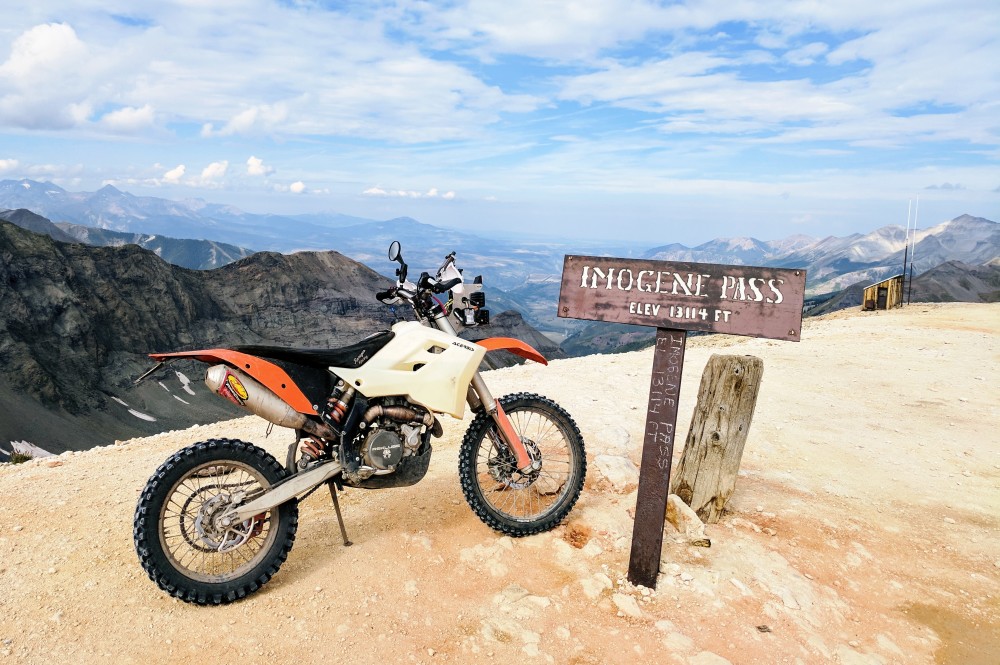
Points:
(741, 242)
(26, 184)
(969, 219)
(402, 220)
(35, 223)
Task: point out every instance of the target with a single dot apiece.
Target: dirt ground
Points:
(864, 529)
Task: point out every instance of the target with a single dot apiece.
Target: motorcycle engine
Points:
(382, 449)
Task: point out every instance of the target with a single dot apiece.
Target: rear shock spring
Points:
(337, 405)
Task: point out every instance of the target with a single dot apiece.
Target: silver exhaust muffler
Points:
(245, 391)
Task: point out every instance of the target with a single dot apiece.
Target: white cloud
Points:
(45, 81)
(297, 187)
(8, 165)
(262, 119)
(175, 174)
(552, 30)
(214, 172)
(806, 55)
(129, 120)
(432, 193)
(255, 166)
(43, 51)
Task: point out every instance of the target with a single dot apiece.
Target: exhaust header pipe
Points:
(248, 393)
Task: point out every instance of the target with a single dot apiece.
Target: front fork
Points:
(479, 395)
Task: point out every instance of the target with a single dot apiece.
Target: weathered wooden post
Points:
(675, 297)
(706, 476)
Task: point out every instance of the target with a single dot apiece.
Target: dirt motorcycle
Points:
(218, 518)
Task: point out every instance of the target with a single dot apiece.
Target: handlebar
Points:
(434, 286)
(419, 294)
(447, 286)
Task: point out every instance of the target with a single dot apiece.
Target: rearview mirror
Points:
(395, 251)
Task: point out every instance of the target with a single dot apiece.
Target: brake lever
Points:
(386, 296)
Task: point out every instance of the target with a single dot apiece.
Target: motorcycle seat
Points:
(352, 356)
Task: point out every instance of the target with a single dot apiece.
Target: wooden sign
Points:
(739, 300)
(675, 297)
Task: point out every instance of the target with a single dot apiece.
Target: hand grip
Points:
(441, 287)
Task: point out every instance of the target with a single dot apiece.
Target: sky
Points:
(649, 121)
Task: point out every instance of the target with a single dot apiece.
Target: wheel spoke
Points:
(186, 541)
(528, 498)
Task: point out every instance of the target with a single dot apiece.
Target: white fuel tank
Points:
(430, 367)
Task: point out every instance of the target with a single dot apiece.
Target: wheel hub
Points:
(216, 531)
(503, 467)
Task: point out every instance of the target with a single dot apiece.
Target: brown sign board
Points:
(737, 300)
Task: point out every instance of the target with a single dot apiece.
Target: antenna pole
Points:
(906, 247)
(913, 240)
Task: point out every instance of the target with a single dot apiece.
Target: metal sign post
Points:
(675, 297)
(657, 456)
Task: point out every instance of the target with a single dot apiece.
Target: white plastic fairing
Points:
(430, 367)
(449, 273)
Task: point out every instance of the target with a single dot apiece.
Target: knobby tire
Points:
(199, 472)
(488, 475)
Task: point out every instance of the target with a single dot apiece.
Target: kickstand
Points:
(336, 506)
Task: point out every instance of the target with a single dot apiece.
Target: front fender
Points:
(515, 346)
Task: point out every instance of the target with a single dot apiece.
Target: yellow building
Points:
(884, 295)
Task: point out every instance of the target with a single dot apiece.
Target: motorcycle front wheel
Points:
(180, 545)
(523, 504)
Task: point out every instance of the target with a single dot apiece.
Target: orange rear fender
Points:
(269, 374)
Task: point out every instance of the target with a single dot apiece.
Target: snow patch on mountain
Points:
(185, 383)
(25, 448)
(138, 414)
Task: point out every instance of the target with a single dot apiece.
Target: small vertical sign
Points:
(657, 456)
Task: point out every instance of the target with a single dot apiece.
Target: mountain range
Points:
(504, 262)
(952, 281)
(186, 253)
(510, 264)
(833, 263)
(520, 274)
(115, 210)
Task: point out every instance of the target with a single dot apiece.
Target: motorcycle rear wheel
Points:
(175, 538)
(521, 505)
